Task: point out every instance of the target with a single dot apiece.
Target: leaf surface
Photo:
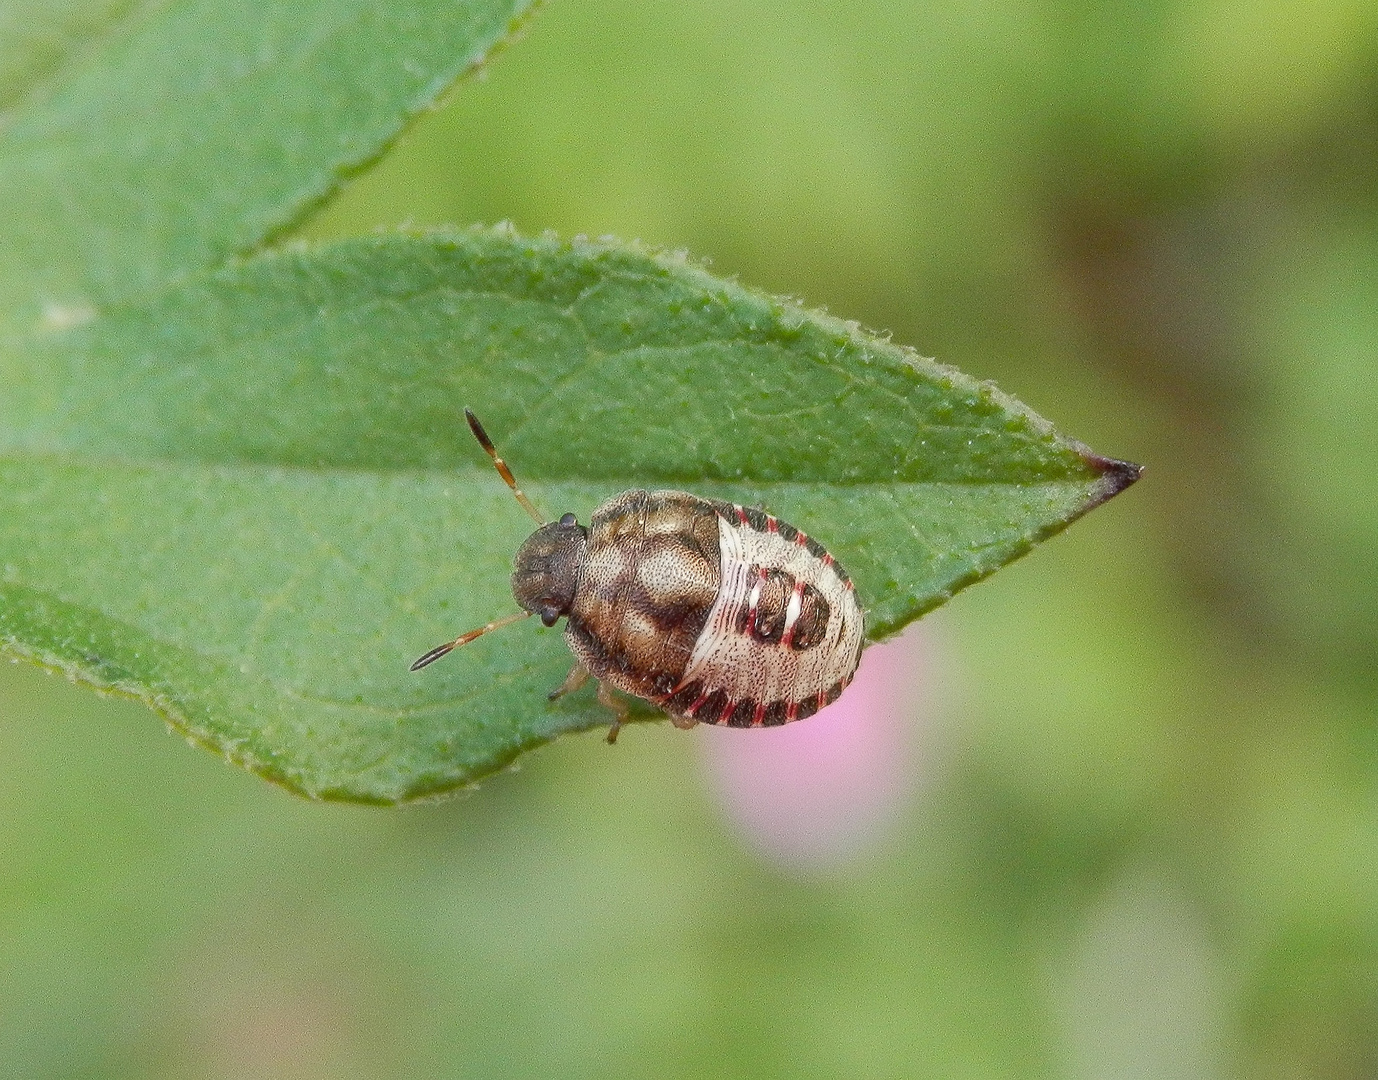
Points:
(140, 142)
(253, 501)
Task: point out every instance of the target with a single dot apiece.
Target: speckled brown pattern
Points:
(646, 585)
(650, 578)
(650, 581)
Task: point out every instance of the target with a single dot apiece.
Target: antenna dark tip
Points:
(464, 639)
(432, 656)
(503, 471)
(477, 428)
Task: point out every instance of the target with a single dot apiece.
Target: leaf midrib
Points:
(466, 475)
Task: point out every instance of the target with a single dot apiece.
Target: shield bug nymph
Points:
(713, 612)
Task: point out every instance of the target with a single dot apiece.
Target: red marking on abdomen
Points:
(698, 704)
(791, 711)
(772, 525)
(827, 558)
(801, 539)
(741, 514)
(759, 718)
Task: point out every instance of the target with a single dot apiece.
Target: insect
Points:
(714, 612)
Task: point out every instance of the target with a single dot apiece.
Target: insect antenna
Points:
(464, 639)
(503, 471)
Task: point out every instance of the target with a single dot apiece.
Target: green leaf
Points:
(253, 501)
(38, 37)
(177, 134)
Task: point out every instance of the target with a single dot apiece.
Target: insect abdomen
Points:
(785, 633)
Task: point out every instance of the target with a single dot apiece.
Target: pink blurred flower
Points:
(821, 791)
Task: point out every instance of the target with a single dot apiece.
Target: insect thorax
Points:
(648, 581)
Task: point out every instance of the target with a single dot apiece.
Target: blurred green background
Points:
(1144, 837)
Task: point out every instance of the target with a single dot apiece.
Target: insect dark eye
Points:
(549, 615)
(568, 519)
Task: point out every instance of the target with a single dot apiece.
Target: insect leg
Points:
(578, 675)
(617, 705)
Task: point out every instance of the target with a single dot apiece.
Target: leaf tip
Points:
(1115, 476)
